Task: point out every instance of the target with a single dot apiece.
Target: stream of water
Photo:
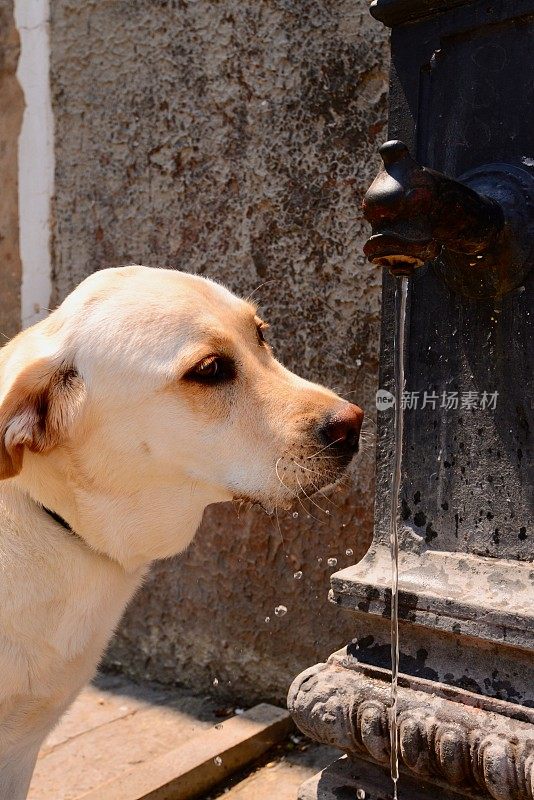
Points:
(401, 292)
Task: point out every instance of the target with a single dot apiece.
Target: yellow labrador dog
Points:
(146, 396)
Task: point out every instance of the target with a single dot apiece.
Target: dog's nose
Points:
(341, 428)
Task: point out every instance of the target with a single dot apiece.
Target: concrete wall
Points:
(233, 139)
(11, 110)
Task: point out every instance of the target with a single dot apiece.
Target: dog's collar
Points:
(59, 520)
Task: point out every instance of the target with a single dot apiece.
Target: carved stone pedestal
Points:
(466, 603)
(453, 739)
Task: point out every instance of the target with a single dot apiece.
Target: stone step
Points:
(116, 726)
(280, 777)
(111, 727)
(202, 762)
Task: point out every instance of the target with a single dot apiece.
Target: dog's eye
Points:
(260, 328)
(213, 369)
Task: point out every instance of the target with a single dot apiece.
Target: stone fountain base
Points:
(452, 741)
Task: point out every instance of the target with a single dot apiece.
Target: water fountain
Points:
(465, 703)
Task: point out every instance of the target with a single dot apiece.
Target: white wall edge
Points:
(36, 158)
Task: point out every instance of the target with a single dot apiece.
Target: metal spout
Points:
(415, 212)
(477, 231)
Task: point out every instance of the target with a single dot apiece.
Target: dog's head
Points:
(155, 378)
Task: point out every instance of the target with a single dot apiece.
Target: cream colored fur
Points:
(99, 422)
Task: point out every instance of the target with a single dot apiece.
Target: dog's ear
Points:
(37, 411)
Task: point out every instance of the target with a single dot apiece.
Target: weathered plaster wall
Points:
(11, 110)
(233, 139)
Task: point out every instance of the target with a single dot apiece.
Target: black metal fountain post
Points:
(453, 207)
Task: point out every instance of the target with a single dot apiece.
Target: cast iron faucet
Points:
(477, 230)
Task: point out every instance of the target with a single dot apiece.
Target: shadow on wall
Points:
(235, 140)
(238, 614)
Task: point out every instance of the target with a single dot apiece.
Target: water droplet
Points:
(297, 575)
(327, 512)
(280, 611)
(267, 619)
(319, 560)
(215, 681)
(360, 794)
(332, 562)
(218, 761)
(295, 514)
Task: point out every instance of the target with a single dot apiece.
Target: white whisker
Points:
(314, 473)
(303, 467)
(279, 528)
(265, 283)
(311, 500)
(280, 479)
(296, 494)
(328, 458)
(326, 497)
(326, 447)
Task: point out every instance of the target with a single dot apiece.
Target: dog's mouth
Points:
(293, 496)
(300, 477)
